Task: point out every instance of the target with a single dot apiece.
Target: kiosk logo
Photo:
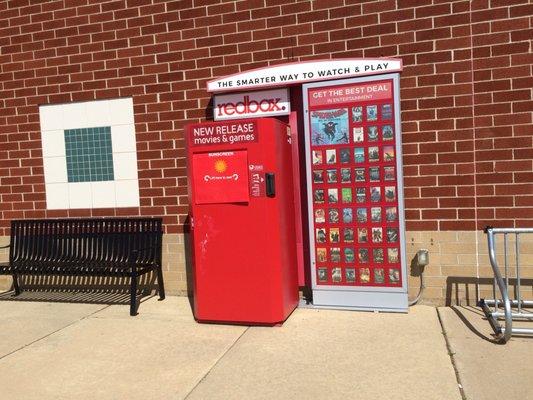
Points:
(221, 166)
(253, 104)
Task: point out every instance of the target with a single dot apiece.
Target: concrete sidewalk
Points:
(66, 351)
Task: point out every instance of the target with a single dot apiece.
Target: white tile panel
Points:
(53, 143)
(121, 111)
(57, 196)
(103, 194)
(125, 166)
(79, 195)
(51, 117)
(98, 113)
(127, 193)
(75, 116)
(55, 169)
(123, 138)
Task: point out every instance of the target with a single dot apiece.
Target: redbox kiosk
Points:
(242, 221)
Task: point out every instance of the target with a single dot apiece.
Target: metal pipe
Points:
(517, 244)
(506, 334)
(513, 315)
(520, 331)
(525, 303)
(512, 230)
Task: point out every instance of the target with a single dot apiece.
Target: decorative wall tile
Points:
(92, 142)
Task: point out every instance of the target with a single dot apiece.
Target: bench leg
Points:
(16, 285)
(160, 283)
(133, 296)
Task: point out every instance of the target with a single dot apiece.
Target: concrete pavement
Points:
(66, 351)
(488, 371)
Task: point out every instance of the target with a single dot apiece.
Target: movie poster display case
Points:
(355, 193)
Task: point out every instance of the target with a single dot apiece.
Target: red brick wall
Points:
(466, 90)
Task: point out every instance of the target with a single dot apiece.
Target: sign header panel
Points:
(302, 72)
(251, 104)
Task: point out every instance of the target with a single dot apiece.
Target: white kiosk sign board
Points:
(355, 193)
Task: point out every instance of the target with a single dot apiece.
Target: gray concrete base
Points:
(488, 371)
(85, 351)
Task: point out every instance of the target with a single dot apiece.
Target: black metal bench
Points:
(108, 247)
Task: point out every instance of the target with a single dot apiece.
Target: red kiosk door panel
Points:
(221, 177)
(243, 237)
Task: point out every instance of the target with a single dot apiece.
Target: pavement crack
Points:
(53, 332)
(216, 363)
(451, 353)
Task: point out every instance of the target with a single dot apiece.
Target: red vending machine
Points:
(242, 221)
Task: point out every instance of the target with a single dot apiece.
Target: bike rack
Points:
(511, 309)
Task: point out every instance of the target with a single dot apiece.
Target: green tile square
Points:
(89, 154)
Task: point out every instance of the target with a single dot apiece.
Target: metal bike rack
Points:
(505, 308)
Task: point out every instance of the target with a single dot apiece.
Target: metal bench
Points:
(107, 247)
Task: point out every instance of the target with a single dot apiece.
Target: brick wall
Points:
(466, 90)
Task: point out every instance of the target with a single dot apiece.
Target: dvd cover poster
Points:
(377, 235)
(358, 134)
(346, 175)
(364, 275)
(336, 275)
(348, 235)
(350, 275)
(333, 215)
(334, 236)
(344, 155)
(388, 153)
(349, 255)
(318, 196)
(321, 235)
(362, 215)
(320, 216)
(359, 155)
(322, 274)
(333, 196)
(360, 175)
(394, 275)
(386, 111)
(373, 172)
(357, 114)
(387, 132)
(346, 195)
(335, 254)
(331, 156)
(321, 254)
(371, 113)
(379, 275)
(392, 235)
(332, 175)
(329, 127)
(347, 215)
(362, 235)
(373, 133)
(317, 157)
(318, 176)
(392, 255)
(360, 195)
(390, 193)
(363, 255)
(377, 255)
(389, 174)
